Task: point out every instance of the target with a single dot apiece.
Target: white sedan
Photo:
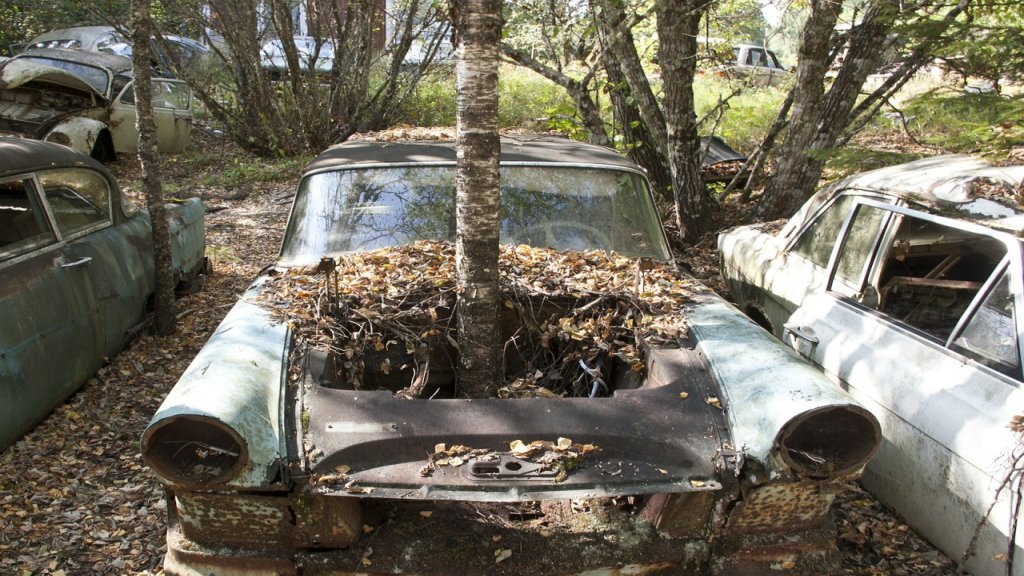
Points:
(904, 285)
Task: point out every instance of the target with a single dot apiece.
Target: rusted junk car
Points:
(76, 272)
(86, 100)
(905, 285)
(644, 424)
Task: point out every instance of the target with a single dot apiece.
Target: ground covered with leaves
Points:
(75, 498)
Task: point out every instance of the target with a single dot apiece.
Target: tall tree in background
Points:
(477, 206)
(678, 25)
(149, 158)
(808, 102)
(822, 120)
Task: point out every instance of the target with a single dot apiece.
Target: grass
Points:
(985, 124)
(209, 168)
(747, 116)
(525, 100)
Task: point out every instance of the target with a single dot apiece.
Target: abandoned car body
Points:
(86, 100)
(76, 272)
(904, 285)
(720, 448)
(169, 51)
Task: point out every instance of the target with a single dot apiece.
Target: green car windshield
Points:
(560, 207)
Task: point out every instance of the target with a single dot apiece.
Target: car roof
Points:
(21, 155)
(517, 148)
(947, 185)
(113, 62)
(74, 33)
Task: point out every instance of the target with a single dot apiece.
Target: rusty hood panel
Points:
(664, 437)
(18, 72)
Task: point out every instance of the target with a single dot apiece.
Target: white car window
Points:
(79, 199)
(818, 239)
(858, 246)
(168, 94)
(990, 336)
(927, 274)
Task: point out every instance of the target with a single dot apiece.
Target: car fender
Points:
(188, 237)
(223, 423)
(779, 405)
(78, 133)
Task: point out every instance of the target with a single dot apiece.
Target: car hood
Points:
(18, 72)
(663, 437)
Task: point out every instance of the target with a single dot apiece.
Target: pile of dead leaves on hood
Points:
(574, 310)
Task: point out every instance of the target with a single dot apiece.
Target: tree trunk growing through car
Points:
(477, 34)
(149, 159)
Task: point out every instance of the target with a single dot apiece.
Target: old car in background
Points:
(753, 64)
(86, 101)
(76, 274)
(321, 427)
(904, 285)
(312, 53)
(169, 51)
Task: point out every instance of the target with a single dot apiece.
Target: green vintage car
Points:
(338, 441)
(76, 273)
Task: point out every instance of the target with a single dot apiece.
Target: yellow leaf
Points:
(684, 395)
(501, 555)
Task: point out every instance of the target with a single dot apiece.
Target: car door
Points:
(50, 339)
(782, 272)
(919, 323)
(172, 114)
(113, 250)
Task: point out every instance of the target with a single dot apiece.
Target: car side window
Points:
(927, 275)
(79, 198)
(859, 244)
(990, 335)
(23, 223)
(166, 94)
(817, 240)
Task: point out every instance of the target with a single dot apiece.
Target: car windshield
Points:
(561, 207)
(98, 78)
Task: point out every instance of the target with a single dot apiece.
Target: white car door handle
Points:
(80, 262)
(801, 333)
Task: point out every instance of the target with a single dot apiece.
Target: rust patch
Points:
(246, 521)
(782, 507)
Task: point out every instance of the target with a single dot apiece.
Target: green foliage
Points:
(243, 171)
(525, 100)
(987, 124)
(747, 116)
(433, 102)
(852, 159)
(736, 22)
(525, 97)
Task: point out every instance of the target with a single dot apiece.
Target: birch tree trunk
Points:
(678, 25)
(478, 29)
(149, 158)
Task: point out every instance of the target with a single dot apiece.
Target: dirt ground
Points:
(75, 497)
